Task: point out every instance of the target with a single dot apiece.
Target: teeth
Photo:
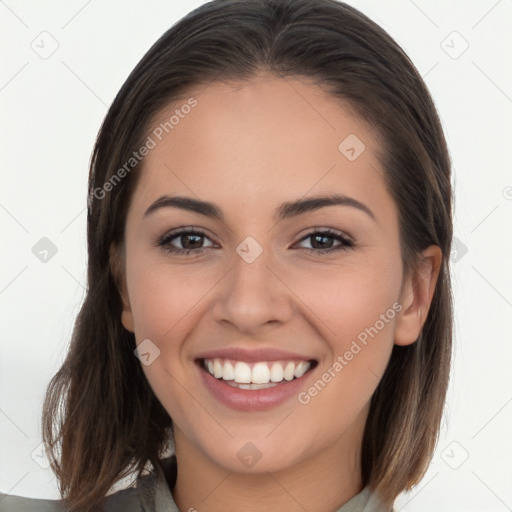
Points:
(217, 368)
(251, 386)
(276, 372)
(258, 375)
(289, 371)
(228, 372)
(301, 369)
(242, 373)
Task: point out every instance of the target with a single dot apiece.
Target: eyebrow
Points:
(285, 211)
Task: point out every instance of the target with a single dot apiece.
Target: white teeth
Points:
(217, 368)
(276, 372)
(229, 371)
(243, 373)
(255, 375)
(301, 369)
(260, 373)
(251, 386)
(289, 371)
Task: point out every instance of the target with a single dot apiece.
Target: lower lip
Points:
(252, 400)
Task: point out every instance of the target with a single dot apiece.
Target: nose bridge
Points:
(251, 294)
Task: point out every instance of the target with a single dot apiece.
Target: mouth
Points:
(256, 375)
(254, 385)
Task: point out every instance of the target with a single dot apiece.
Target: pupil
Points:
(198, 238)
(320, 238)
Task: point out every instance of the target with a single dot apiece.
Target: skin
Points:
(249, 147)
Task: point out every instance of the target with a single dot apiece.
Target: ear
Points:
(117, 267)
(416, 297)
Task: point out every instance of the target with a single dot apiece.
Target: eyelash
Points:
(165, 241)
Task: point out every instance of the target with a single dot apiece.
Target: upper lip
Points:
(252, 355)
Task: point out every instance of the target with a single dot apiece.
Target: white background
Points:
(51, 111)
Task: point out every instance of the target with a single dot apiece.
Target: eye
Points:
(184, 241)
(323, 241)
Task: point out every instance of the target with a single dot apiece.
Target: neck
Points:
(321, 483)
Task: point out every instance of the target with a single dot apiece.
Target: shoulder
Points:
(10, 503)
(126, 500)
(366, 501)
(132, 499)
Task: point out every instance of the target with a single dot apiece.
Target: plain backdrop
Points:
(62, 64)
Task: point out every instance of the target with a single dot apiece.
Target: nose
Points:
(253, 295)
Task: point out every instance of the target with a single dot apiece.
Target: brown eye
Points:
(326, 241)
(184, 241)
(191, 241)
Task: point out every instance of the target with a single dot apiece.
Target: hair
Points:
(101, 420)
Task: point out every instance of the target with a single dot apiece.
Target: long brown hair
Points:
(101, 420)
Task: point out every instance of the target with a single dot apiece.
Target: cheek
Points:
(162, 298)
(357, 308)
(348, 300)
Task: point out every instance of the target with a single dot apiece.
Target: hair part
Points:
(99, 411)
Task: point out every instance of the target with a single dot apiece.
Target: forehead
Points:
(260, 139)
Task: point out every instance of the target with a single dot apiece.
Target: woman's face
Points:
(254, 295)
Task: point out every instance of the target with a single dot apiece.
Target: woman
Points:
(268, 300)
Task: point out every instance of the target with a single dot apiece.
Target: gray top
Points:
(153, 494)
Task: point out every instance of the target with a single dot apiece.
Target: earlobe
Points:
(127, 320)
(117, 268)
(417, 296)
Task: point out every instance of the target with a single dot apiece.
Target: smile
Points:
(255, 383)
(257, 375)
